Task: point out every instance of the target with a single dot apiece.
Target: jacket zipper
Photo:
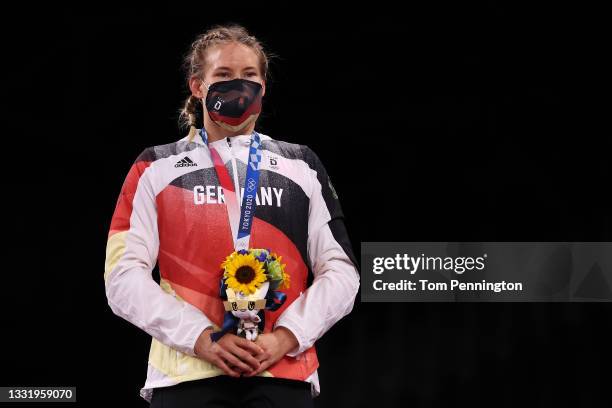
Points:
(235, 173)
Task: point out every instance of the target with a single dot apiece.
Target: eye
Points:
(222, 74)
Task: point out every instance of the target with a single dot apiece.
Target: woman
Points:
(183, 205)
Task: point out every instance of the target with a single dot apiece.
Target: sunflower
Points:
(244, 273)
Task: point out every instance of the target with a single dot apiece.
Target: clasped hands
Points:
(237, 356)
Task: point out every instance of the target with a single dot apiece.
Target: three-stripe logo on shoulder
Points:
(185, 162)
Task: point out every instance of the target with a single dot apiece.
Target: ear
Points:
(196, 86)
(263, 85)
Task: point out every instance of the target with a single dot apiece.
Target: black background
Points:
(438, 123)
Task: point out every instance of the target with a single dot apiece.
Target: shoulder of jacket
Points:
(288, 150)
(157, 152)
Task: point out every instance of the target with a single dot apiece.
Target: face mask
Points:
(234, 104)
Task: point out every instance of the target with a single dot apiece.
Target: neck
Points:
(216, 132)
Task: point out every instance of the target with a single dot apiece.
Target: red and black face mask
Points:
(234, 104)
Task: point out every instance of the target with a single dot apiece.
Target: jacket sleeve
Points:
(131, 255)
(336, 276)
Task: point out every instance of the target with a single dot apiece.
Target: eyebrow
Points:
(229, 69)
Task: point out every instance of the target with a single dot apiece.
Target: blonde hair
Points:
(194, 64)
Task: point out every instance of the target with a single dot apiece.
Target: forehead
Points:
(232, 55)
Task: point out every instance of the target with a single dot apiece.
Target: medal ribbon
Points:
(240, 217)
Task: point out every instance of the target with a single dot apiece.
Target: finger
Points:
(264, 355)
(221, 364)
(246, 357)
(249, 345)
(264, 366)
(236, 362)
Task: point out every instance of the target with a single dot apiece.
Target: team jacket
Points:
(171, 212)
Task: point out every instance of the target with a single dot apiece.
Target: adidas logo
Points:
(185, 162)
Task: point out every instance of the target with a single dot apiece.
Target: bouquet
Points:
(251, 282)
